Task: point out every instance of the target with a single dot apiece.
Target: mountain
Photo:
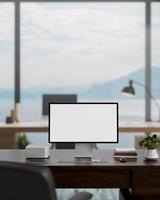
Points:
(112, 89)
(107, 90)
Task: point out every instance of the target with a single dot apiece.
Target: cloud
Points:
(78, 43)
(6, 45)
(156, 35)
(6, 22)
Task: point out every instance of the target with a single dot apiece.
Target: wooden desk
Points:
(24, 127)
(8, 131)
(139, 127)
(142, 177)
(124, 127)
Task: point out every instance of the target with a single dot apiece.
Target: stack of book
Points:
(127, 153)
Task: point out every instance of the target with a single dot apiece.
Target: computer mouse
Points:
(123, 160)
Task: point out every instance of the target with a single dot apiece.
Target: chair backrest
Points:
(56, 98)
(59, 98)
(26, 182)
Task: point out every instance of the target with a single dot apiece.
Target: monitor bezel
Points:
(108, 142)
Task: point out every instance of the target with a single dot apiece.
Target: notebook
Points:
(127, 153)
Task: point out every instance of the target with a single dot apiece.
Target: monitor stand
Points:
(83, 151)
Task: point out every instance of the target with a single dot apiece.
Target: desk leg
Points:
(125, 194)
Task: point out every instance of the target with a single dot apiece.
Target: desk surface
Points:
(43, 127)
(66, 158)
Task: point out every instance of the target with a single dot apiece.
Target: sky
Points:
(76, 43)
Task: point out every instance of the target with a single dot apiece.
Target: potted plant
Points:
(151, 144)
(22, 141)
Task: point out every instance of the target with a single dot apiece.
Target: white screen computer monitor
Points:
(83, 122)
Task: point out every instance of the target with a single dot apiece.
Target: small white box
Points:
(37, 151)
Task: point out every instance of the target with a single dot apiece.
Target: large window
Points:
(155, 58)
(91, 49)
(88, 48)
(6, 59)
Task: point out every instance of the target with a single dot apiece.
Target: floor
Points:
(98, 194)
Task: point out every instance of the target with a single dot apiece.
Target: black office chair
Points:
(58, 98)
(29, 182)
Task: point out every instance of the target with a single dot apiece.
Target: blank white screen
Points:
(83, 122)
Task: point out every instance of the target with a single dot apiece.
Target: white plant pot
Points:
(151, 154)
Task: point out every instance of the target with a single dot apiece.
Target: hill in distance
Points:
(107, 90)
(112, 89)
